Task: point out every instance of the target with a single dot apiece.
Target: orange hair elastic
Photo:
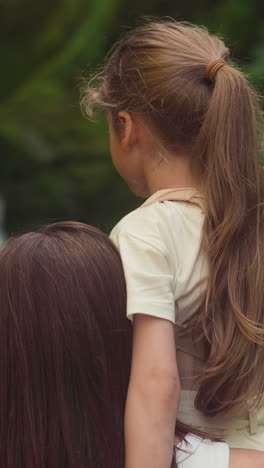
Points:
(213, 67)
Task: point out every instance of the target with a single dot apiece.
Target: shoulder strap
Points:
(185, 195)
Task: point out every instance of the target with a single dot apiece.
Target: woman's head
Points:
(159, 73)
(64, 349)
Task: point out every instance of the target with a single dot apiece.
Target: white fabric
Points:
(194, 452)
(165, 266)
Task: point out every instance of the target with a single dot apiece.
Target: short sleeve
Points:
(148, 277)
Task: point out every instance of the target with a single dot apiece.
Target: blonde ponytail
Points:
(232, 317)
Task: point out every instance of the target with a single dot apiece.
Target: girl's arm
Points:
(242, 458)
(153, 394)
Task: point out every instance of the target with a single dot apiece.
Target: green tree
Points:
(55, 164)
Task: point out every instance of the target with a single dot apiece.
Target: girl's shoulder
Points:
(143, 218)
(159, 218)
(168, 227)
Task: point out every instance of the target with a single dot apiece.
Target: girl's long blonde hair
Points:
(158, 71)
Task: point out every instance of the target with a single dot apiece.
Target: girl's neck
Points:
(172, 172)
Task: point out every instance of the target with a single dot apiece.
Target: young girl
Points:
(184, 131)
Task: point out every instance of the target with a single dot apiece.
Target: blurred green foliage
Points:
(54, 163)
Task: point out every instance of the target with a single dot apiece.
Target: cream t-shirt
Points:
(166, 273)
(164, 264)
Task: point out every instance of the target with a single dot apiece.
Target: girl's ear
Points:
(128, 129)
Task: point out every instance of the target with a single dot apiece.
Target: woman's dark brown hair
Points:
(159, 71)
(64, 350)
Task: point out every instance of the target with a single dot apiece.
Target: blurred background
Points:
(55, 164)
